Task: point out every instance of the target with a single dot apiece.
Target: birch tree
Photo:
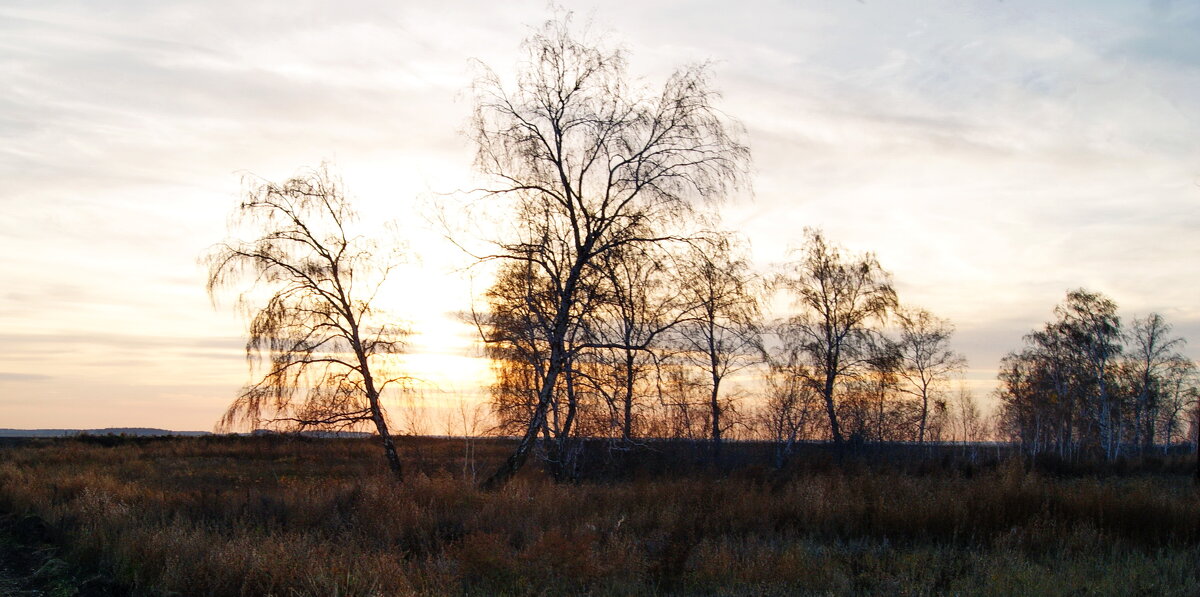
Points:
(590, 164)
(837, 298)
(308, 285)
(1150, 355)
(926, 361)
(723, 335)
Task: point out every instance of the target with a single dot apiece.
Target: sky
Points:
(992, 154)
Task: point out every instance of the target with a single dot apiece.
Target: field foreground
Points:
(271, 516)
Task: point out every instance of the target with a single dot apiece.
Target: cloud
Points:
(993, 156)
(119, 341)
(8, 376)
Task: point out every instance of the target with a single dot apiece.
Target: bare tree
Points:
(926, 361)
(877, 382)
(683, 403)
(591, 165)
(1177, 388)
(324, 349)
(723, 334)
(792, 399)
(967, 421)
(517, 337)
(837, 299)
(1042, 402)
(514, 333)
(1150, 356)
(467, 419)
(1195, 401)
(642, 304)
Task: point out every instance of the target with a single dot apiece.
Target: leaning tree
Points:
(591, 164)
(308, 286)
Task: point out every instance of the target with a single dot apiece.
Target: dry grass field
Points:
(272, 516)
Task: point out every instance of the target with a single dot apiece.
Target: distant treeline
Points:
(131, 431)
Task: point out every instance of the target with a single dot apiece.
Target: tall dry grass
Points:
(255, 516)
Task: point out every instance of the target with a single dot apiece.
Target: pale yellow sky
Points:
(994, 155)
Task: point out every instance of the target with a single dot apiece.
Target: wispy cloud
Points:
(8, 376)
(993, 154)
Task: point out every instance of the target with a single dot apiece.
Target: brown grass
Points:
(262, 516)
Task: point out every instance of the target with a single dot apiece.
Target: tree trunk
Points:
(627, 429)
(564, 457)
(827, 393)
(537, 423)
(716, 420)
(385, 436)
(389, 447)
(517, 459)
(714, 372)
(558, 361)
(1151, 414)
(1108, 436)
(924, 416)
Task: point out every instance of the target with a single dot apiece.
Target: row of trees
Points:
(595, 173)
(618, 312)
(651, 351)
(1087, 385)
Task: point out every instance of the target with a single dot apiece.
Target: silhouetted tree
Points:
(1042, 399)
(1177, 389)
(1150, 356)
(591, 166)
(1090, 324)
(1031, 412)
(879, 415)
(684, 412)
(723, 334)
(925, 360)
(967, 422)
(642, 304)
(1082, 384)
(792, 401)
(837, 298)
(309, 289)
(514, 335)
